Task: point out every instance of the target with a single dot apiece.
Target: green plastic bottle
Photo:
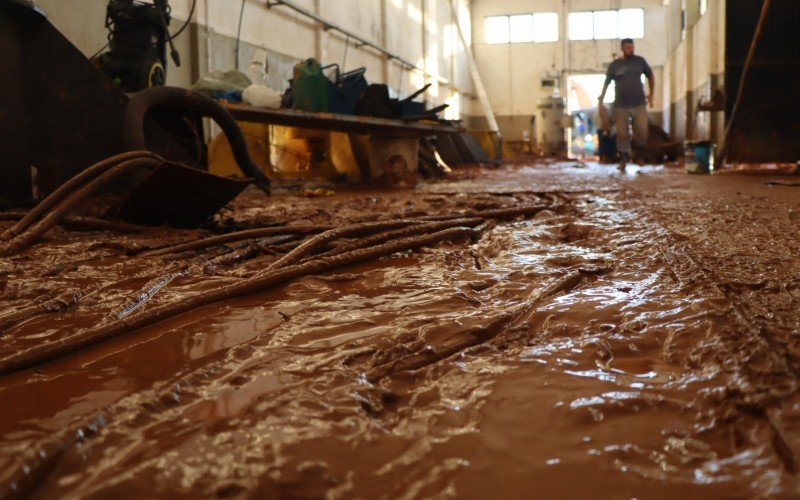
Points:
(310, 87)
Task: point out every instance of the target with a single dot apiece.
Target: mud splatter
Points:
(639, 335)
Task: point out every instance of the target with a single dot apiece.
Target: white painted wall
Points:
(513, 71)
(394, 24)
(696, 62)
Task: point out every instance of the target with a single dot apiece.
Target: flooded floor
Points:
(638, 337)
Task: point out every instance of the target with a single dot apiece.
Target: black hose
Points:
(170, 97)
(188, 21)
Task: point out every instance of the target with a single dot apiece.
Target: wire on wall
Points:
(239, 33)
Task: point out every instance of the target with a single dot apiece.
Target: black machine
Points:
(138, 38)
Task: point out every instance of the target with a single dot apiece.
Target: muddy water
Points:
(625, 343)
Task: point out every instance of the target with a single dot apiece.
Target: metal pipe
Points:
(362, 42)
(476, 79)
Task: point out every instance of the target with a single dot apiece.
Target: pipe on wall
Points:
(361, 42)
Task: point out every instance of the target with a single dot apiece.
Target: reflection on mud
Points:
(607, 339)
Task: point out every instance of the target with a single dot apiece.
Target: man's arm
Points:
(651, 81)
(605, 87)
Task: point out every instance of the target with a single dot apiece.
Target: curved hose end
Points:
(263, 185)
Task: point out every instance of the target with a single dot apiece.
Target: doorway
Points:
(582, 108)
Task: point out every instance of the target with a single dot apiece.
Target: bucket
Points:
(699, 157)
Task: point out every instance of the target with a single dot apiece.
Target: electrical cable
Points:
(239, 33)
(188, 20)
(100, 51)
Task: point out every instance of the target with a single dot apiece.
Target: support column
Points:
(385, 42)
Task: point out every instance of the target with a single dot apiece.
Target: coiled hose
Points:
(170, 97)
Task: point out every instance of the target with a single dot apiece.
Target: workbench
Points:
(387, 150)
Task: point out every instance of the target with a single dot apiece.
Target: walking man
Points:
(630, 100)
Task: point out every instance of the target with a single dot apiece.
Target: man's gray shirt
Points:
(627, 75)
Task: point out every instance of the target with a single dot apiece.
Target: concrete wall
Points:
(420, 31)
(512, 72)
(695, 70)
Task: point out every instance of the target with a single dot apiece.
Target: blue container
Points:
(699, 157)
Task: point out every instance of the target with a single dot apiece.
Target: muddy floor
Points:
(637, 337)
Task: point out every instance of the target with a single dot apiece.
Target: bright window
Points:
(606, 24)
(497, 29)
(545, 27)
(631, 23)
(521, 28)
(581, 26)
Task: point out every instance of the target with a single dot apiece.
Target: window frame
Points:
(486, 30)
(619, 35)
(509, 39)
(519, 17)
(557, 25)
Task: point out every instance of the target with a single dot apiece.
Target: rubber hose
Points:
(170, 97)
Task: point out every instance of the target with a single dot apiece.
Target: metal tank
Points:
(550, 136)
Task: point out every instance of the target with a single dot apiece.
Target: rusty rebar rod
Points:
(495, 213)
(248, 234)
(64, 346)
(379, 238)
(319, 240)
(58, 304)
(69, 187)
(70, 202)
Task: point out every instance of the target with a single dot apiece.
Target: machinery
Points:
(138, 38)
(59, 114)
(550, 125)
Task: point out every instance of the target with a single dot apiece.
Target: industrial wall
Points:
(695, 68)
(766, 127)
(288, 38)
(513, 71)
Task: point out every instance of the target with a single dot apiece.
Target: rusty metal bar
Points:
(337, 122)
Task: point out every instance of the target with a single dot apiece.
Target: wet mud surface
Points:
(637, 338)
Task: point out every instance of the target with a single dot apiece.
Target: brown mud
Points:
(637, 338)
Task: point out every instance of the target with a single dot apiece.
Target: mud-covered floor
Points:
(640, 337)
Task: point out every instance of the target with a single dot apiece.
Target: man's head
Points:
(627, 47)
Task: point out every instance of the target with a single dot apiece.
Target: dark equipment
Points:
(349, 94)
(606, 146)
(312, 90)
(178, 196)
(766, 128)
(375, 101)
(138, 37)
(346, 90)
(59, 114)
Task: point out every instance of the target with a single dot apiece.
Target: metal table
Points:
(387, 150)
